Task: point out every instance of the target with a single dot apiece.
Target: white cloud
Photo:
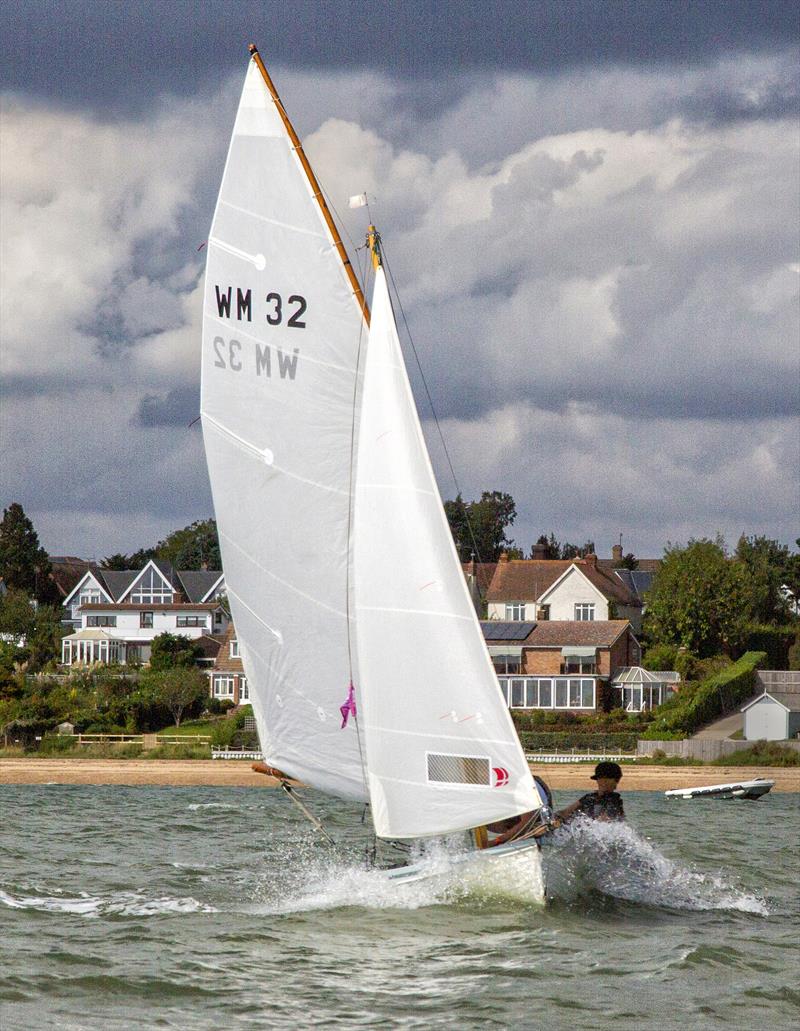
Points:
(605, 301)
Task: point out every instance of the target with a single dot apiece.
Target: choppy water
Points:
(197, 908)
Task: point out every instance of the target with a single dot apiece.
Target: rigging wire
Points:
(429, 397)
(348, 562)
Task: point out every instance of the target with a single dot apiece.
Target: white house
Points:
(559, 589)
(118, 613)
(775, 714)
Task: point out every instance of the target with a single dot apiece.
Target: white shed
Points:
(774, 715)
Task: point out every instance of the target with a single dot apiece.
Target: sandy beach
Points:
(235, 773)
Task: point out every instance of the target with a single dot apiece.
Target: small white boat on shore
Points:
(749, 789)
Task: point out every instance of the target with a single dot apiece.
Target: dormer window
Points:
(235, 649)
(515, 611)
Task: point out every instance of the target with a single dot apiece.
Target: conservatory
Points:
(642, 689)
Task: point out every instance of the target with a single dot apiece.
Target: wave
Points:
(612, 858)
(123, 903)
(194, 806)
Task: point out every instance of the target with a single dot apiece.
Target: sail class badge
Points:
(500, 776)
(349, 708)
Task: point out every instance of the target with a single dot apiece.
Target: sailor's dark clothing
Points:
(597, 806)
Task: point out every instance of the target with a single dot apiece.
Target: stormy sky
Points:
(589, 209)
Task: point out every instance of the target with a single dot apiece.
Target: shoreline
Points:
(237, 773)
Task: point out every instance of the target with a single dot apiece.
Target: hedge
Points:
(566, 741)
(775, 641)
(711, 699)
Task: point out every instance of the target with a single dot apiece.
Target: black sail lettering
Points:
(243, 305)
(223, 302)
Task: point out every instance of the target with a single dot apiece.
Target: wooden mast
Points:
(314, 182)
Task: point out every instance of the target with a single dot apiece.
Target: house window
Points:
(549, 693)
(579, 664)
(219, 616)
(515, 611)
(145, 619)
(223, 686)
(101, 620)
(584, 611)
(191, 621)
(234, 649)
(244, 690)
(90, 597)
(544, 612)
(506, 663)
(152, 589)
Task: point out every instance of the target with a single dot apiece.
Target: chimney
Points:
(590, 559)
(504, 556)
(616, 554)
(539, 551)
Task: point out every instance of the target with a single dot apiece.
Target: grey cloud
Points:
(124, 56)
(178, 407)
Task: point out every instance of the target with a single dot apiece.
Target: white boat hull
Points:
(513, 870)
(750, 789)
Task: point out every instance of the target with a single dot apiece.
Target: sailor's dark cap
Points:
(607, 769)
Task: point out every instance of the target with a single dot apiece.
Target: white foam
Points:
(614, 859)
(333, 884)
(118, 903)
(194, 806)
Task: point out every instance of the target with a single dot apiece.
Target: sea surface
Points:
(197, 908)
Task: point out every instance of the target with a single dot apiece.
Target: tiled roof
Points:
(528, 579)
(198, 582)
(224, 663)
(524, 579)
(116, 581)
(638, 581)
(556, 633)
(484, 571)
(210, 645)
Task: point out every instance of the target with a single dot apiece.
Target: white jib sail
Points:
(281, 333)
(442, 751)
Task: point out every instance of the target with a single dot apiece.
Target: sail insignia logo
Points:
(500, 776)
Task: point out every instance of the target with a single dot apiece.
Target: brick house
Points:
(227, 679)
(561, 664)
(580, 589)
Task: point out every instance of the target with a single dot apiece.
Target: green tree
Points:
(769, 566)
(17, 615)
(573, 551)
(171, 651)
(138, 560)
(24, 564)
(194, 547)
(479, 527)
(181, 692)
(44, 643)
(700, 600)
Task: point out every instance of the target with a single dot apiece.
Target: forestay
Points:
(281, 333)
(442, 751)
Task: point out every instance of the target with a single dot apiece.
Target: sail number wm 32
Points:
(295, 306)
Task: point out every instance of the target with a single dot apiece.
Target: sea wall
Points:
(702, 748)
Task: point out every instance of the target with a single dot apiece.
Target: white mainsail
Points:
(281, 336)
(442, 751)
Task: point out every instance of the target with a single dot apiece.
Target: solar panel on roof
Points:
(496, 631)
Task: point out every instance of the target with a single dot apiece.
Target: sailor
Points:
(603, 804)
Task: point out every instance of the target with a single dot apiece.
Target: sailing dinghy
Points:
(367, 668)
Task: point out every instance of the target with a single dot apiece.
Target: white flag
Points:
(359, 201)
